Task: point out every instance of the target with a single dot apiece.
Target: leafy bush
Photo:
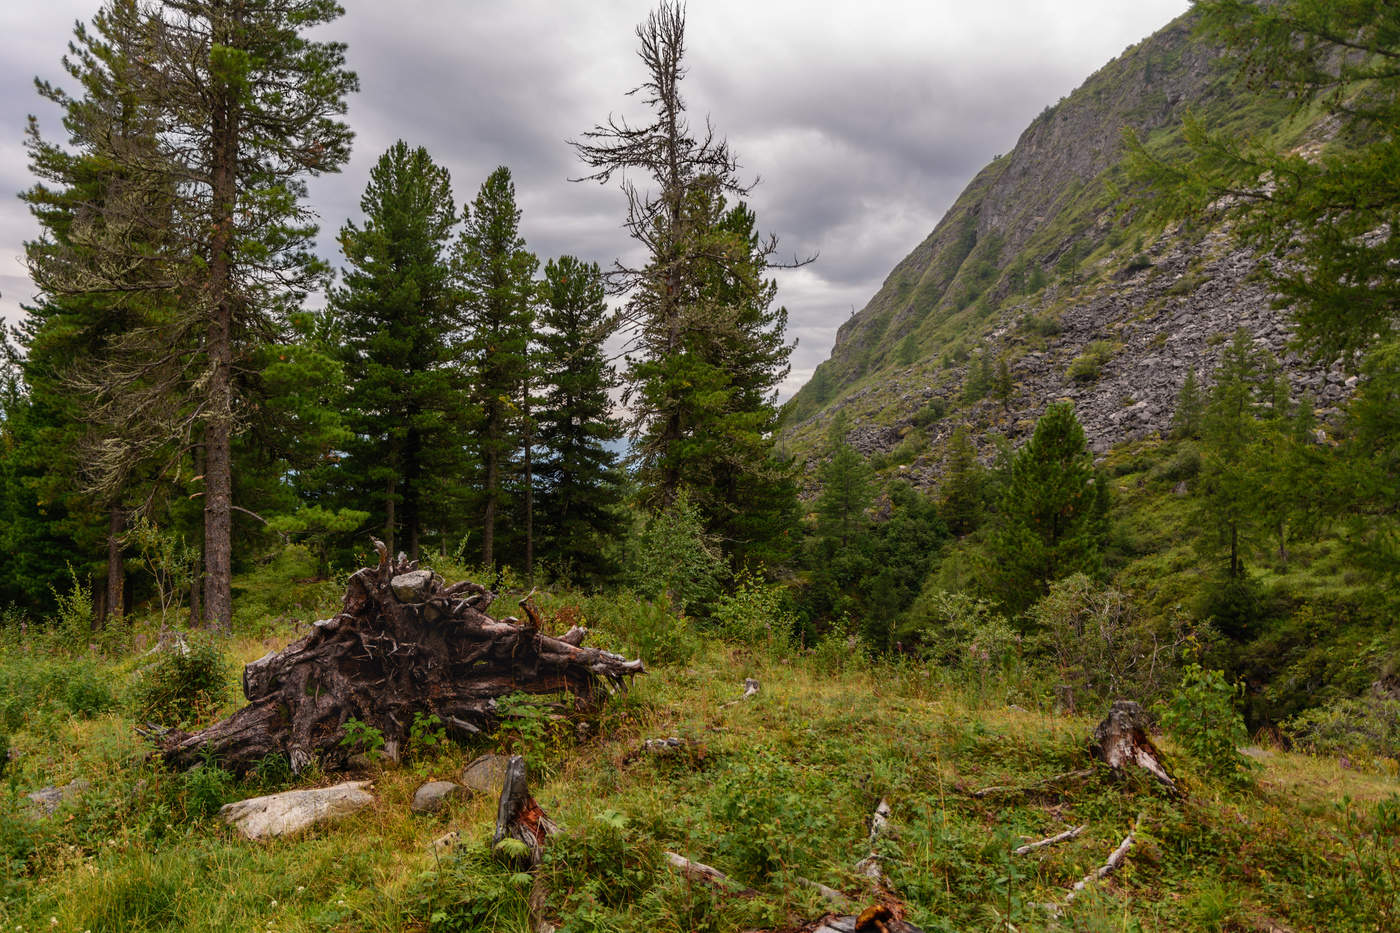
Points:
(184, 684)
(935, 410)
(1183, 465)
(1362, 727)
(772, 817)
(1202, 717)
(960, 632)
(1102, 646)
(645, 627)
(756, 613)
(361, 737)
(426, 734)
(1042, 325)
(1087, 366)
(206, 787)
(601, 864)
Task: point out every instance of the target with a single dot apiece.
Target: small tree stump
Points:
(519, 817)
(1121, 740)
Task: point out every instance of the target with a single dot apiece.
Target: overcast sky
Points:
(863, 119)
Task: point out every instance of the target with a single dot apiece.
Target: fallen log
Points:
(1115, 859)
(404, 643)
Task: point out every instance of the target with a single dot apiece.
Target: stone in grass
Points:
(433, 796)
(485, 774)
(280, 814)
(46, 800)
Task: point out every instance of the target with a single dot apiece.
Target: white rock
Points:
(280, 814)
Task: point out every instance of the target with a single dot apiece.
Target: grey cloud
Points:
(863, 119)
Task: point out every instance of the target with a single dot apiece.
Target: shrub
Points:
(1087, 366)
(1362, 727)
(958, 631)
(1202, 717)
(1183, 465)
(770, 816)
(1101, 646)
(644, 627)
(185, 683)
(1042, 325)
(756, 613)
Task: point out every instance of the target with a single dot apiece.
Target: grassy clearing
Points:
(774, 788)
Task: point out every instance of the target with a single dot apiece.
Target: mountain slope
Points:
(1042, 259)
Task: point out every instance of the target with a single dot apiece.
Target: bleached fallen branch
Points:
(750, 689)
(1065, 836)
(1114, 860)
(879, 821)
(698, 871)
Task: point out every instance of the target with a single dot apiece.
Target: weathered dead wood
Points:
(403, 644)
(1114, 860)
(1121, 740)
(750, 689)
(879, 821)
(699, 871)
(1056, 839)
(519, 817)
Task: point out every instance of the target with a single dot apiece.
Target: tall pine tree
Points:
(706, 347)
(246, 107)
(406, 396)
(498, 306)
(578, 474)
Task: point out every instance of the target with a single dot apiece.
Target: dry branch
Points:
(1065, 836)
(750, 689)
(403, 644)
(1115, 859)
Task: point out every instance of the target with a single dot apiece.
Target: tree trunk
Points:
(116, 569)
(488, 520)
(403, 644)
(218, 469)
(389, 517)
(529, 493)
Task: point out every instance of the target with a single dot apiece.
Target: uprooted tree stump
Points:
(403, 644)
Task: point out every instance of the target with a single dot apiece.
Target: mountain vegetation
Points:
(1126, 425)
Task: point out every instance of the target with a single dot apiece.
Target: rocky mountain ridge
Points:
(1043, 260)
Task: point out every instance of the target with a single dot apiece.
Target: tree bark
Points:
(116, 569)
(218, 468)
(403, 644)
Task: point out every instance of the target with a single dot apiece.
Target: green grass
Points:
(774, 788)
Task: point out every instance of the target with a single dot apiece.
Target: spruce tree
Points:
(396, 313)
(578, 474)
(239, 106)
(498, 296)
(707, 348)
(1053, 517)
(846, 490)
(961, 490)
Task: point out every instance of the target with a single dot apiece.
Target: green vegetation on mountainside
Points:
(1038, 225)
